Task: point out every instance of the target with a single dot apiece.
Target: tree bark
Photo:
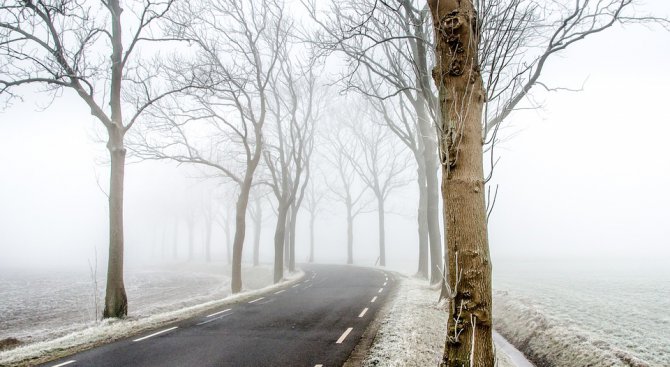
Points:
(293, 221)
(240, 229)
(116, 301)
(208, 239)
(287, 240)
(280, 234)
(457, 76)
(382, 230)
(422, 219)
(350, 234)
(311, 237)
(257, 232)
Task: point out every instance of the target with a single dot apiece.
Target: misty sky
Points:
(586, 175)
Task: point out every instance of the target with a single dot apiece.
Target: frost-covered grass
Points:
(585, 314)
(412, 333)
(173, 306)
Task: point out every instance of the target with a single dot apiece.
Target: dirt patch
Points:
(9, 343)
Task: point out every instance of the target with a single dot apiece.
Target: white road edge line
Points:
(64, 363)
(363, 313)
(154, 334)
(257, 299)
(380, 290)
(344, 336)
(281, 291)
(373, 299)
(385, 284)
(318, 365)
(218, 313)
(297, 285)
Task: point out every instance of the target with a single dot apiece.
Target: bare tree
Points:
(313, 199)
(220, 127)
(339, 151)
(256, 214)
(287, 154)
(385, 45)
(480, 57)
(66, 45)
(381, 167)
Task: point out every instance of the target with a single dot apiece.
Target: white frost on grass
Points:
(549, 341)
(114, 329)
(412, 333)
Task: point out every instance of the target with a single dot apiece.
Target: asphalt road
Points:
(316, 322)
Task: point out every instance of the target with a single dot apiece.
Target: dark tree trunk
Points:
(457, 75)
(311, 237)
(280, 233)
(350, 234)
(257, 232)
(382, 230)
(240, 229)
(422, 218)
(293, 221)
(116, 302)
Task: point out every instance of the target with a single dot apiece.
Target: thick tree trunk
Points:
(457, 76)
(287, 240)
(280, 236)
(292, 223)
(257, 232)
(382, 230)
(240, 229)
(116, 302)
(422, 219)
(311, 237)
(432, 193)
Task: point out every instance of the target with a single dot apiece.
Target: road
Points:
(316, 322)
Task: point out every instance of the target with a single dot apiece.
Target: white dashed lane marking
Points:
(373, 299)
(344, 336)
(363, 312)
(154, 334)
(64, 363)
(218, 313)
(256, 300)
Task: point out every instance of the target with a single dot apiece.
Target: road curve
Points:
(316, 322)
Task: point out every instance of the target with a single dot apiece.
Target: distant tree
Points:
(313, 199)
(380, 165)
(236, 45)
(80, 46)
(338, 151)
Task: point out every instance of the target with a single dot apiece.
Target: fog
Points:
(584, 175)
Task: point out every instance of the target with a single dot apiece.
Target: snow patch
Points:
(110, 330)
(412, 333)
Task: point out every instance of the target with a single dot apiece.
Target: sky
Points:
(585, 176)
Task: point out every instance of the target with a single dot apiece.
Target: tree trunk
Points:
(382, 230)
(116, 302)
(287, 240)
(422, 219)
(469, 340)
(240, 229)
(191, 238)
(175, 236)
(280, 233)
(350, 234)
(208, 239)
(432, 193)
(293, 221)
(311, 237)
(257, 232)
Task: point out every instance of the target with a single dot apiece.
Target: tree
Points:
(287, 155)
(385, 45)
(481, 62)
(338, 152)
(66, 45)
(380, 167)
(220, 126)
(313, 199)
